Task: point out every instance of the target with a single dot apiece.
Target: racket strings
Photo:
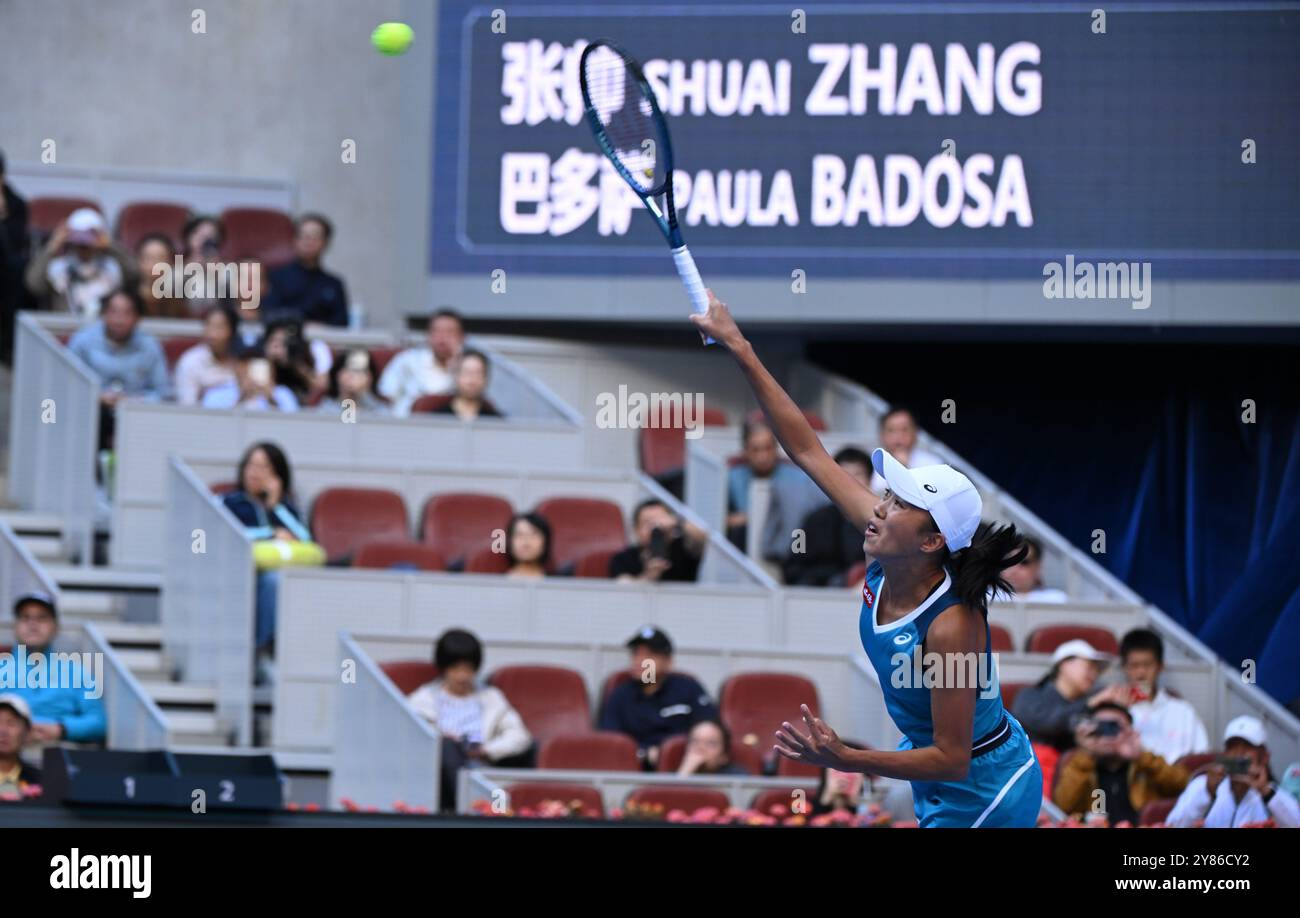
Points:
(625, 115)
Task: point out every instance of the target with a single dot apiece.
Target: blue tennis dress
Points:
(1004, 786)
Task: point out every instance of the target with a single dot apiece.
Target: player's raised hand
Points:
(821, 746)
(718, 324)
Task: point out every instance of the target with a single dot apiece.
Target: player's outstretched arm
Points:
(788, 422)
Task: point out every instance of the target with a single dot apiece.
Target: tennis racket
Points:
(632, 132)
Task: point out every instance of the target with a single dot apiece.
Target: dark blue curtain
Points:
(1146, 442)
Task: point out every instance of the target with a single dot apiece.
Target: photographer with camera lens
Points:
(666, 547)
(1237, 789)
(1109, 773)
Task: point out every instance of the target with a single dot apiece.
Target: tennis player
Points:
(968, 760)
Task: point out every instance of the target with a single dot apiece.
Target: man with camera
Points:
(666, 549)
(1109, 773)
(1237, 789)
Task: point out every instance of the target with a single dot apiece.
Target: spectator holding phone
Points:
(253, 387)
(666, 549)
(1110, 772)
(79, 266)
(478, 725)
(1050, 710)
(1237, 789)
(1169, 726)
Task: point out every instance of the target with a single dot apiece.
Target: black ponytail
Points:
(977, 569)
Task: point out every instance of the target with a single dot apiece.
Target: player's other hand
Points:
(718, 324)
(821, 746)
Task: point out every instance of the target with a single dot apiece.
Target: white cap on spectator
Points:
(1080, 648)
(1251, 729)
(946, 493)
(84, 225)
(19, 705)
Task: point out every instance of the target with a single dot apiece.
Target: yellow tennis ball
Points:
(392, 38)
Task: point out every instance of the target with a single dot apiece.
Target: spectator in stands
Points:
(667, 548)
(1026, 578)
(468, 401)
(295, 361)
(128, 361)
(304, 291)
(708, 751)
(202, 238)
(1050, 710)
(351, 382)
(262, 503)
(13, 260)
(254, 387)
(155, 262)
(760, 461)
(528, 545)
(1169, 726)
(656, 703)
(478, 724)
(79, 266)
(832, 545)
(15, 727)
(840, 791)
(425, 370)
(68, 705)
(210, 363)
(1110, 772)
(898, 429)
(1248, 796)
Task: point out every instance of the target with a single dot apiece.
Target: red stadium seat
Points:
(754, 705)
(173, 348)
(602, 751)
(580, 526)
(487, 561)
(257, 234)
(1001, 639)
(459, 524)
(552, 700)
(45, 214)
(1195, 762)
(380, 356)
(384, 553)
(222, 488)
(856, 575)
(671, 797)
(595, 564)
(583, 798)
(1048, 638)
(779, 802)
(343, 519)
(1048, 758)
(427, 403)
(142, 218)
(1009, 692)
(409, 675)
(673, 751)
(663, 449)
(1156, 812)
(612, 681)
(815, 420)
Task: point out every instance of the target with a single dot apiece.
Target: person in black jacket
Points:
(303, 291)
(261, 503)
(831, 544)
(13, 260)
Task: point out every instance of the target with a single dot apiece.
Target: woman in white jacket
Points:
(478, 725)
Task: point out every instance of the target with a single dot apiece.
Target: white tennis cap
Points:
(1079, 648)
(1251, 729)
(946, 493)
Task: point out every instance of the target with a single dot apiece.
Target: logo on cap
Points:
(931, 488)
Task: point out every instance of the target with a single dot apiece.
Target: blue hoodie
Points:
(83, 718)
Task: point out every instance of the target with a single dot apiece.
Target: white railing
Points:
(208, 599)
(53, 435)
(706, 486)
(383, 751)
(20, 572)
(135, 722)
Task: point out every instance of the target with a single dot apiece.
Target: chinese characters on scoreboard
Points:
(556, 195)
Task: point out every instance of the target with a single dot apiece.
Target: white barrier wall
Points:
(371, 448)
(53, 434)
(208, 590)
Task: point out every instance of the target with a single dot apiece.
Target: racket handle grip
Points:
(690, 276)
